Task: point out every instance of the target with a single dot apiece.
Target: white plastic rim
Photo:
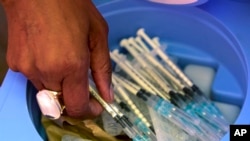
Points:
(180, 2)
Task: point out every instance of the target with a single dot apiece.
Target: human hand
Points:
(54, 43)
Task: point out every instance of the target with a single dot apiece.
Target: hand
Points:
(54, 43)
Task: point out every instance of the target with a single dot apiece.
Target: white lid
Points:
(180, 2)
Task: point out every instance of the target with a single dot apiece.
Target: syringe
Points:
(169, 111)
(146, 53)
(142, 137)
(191, 124)
(137, 121)
(168, 131)
(122, 93)
(156, 47)
(207, 111)
(145, 66)
(179, 117)
(198, 95)
(127, 67)
(164, 57)
(132, 87)
(212, 118)
(128, 127)
(196, 111)
(199, 98)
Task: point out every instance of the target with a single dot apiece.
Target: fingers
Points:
(54, 54)
(94, 108)
(103, 84)
(101, 69)
(101, 72)
(100, 62)
(74, 86)
(76, 94)
(99, 55)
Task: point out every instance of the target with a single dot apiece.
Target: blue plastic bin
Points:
(193, 34)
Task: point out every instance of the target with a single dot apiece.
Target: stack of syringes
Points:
(147, 72)
(135, 129)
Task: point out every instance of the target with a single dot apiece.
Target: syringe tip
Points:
(123, 42)
(188, 91)
(196, 89)
(140, 31)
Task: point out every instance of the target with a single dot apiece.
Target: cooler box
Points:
(213, 34)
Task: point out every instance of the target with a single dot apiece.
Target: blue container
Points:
(193, 34)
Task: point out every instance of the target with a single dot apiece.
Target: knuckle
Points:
(11, 64)
(72, 62)
(19, 65)
(25, 68)
(66, 63)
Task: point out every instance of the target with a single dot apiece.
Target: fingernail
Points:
(111, 93)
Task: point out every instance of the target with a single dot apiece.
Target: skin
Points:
(54, 43)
